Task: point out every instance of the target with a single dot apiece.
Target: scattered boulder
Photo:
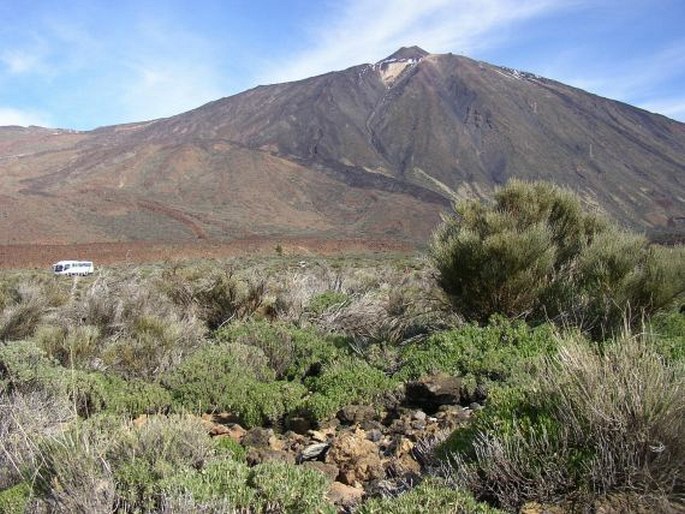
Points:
(313, 451)
(475, 406)
(363, 450)
(299, 424)
(404, 462)
(294, 442)
(215, 430)
(344, 495)
(258, 437)
(322, 435)
(419, 415)
(356, 414)
(234, 431)
(222, 424)
(432, 391)
(357, 458)
(401, 425)
(260, 455)
(374, 435)
(329, 470)
(389, 487)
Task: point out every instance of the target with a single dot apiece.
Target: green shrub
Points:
(534, 253)
(228, 486)
(24, 367)
(260, 403)
(218, 296)
(668, 333)
(227, 446)
(221, 486)
(107, 465)
(96, 392)
(152, 346)
(72, 346)
(510, 453)
(431, 495)
(290, 489)
(72, 474)
(27, 413)
(324, 301)
(15, 499)
(620, 278)
(596, 422)
(490, 353)
(213, 379)
(142, 458)
(345, 382)
(203, 381)
(21, 320)
(292, 352)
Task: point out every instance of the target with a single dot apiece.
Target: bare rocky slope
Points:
(374, 151)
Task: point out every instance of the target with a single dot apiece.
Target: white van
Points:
(73, 268)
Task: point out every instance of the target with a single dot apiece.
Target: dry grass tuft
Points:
(598, 422)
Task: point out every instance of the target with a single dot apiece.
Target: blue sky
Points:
(81, 64)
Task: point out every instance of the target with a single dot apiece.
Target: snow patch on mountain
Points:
(391, 68)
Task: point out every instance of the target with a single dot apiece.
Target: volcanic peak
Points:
(406, 53)
(394, 65)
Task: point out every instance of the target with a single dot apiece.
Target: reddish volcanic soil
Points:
(42, 256)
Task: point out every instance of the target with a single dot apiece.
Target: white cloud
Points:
(12, 116)
(21, 61)
(164, 75)
(376, 28)
(157, 88)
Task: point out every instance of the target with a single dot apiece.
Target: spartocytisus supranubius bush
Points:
(535, 253)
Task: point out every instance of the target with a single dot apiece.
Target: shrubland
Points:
(591, 423)
(535, 253)
(567, 330)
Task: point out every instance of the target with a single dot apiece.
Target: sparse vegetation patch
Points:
(535, 359)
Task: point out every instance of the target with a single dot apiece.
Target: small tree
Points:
(535, 253)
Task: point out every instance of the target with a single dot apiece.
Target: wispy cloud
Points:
(158, 88)
(375, 28)
(170, 75)
(146, 68)
(12, 116)
(19, 61)
(92, 63)
(635, 79)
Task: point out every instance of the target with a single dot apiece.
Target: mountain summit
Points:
(411, 53)
(376, 150)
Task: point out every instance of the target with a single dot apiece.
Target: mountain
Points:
(373, 151)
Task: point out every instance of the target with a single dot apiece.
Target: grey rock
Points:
(313, 451)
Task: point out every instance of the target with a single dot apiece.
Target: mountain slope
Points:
(377, 150)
